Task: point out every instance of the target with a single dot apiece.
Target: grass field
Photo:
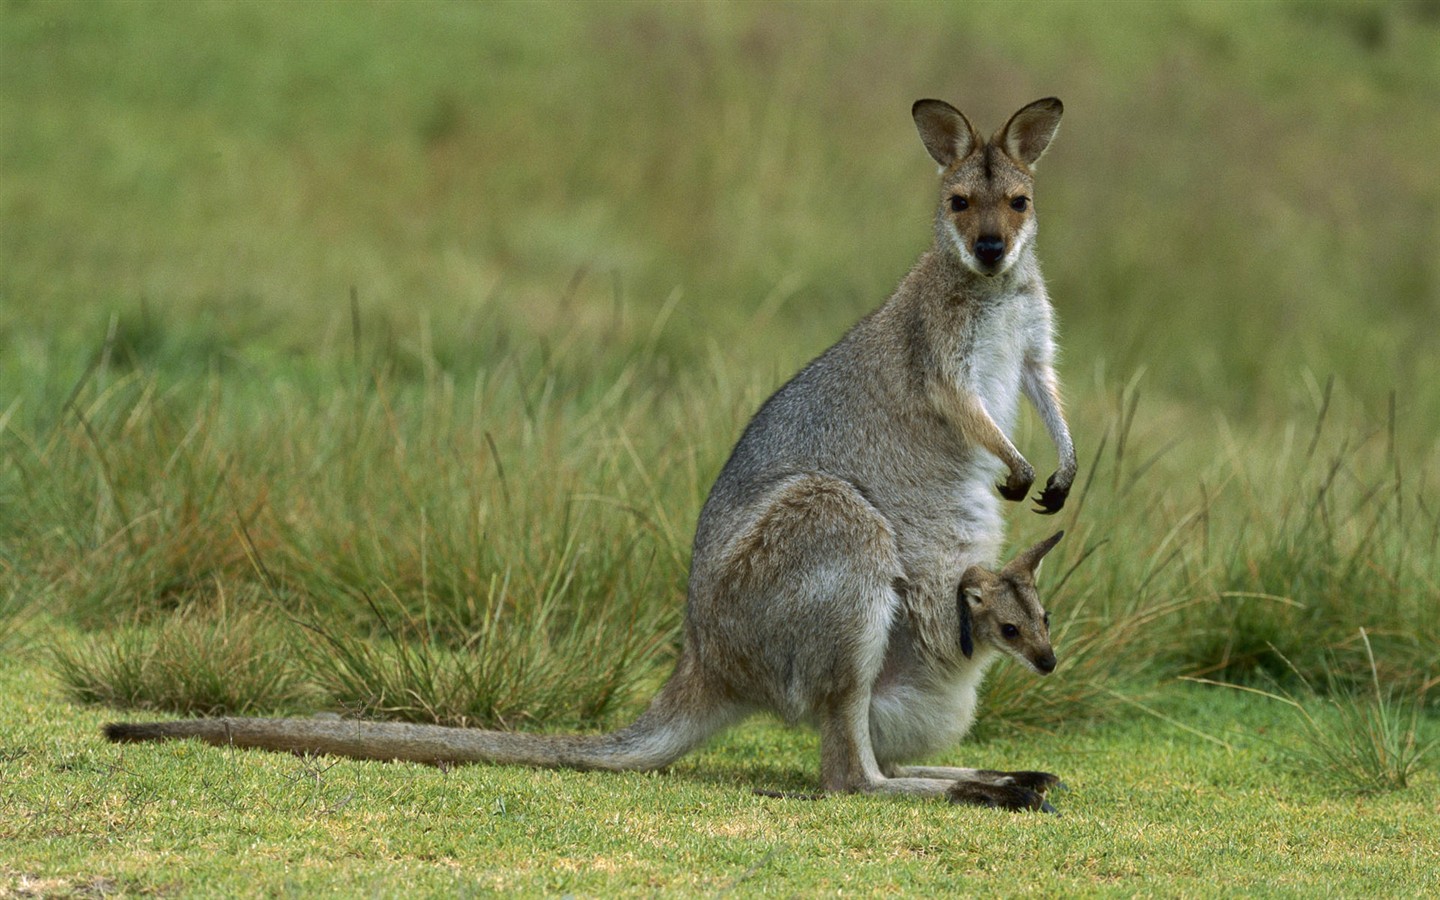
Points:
(1151, 809)
(377, 358)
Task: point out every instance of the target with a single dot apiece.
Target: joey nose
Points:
(1046, 663)
(989, 249)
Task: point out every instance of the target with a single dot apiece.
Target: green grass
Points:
(1364, 741)
(1149, 804)
(378, 358)
(201, 661)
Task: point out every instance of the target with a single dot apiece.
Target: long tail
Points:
(678, 720)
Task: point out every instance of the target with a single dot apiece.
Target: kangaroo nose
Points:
(989, 249)
(1046, 663)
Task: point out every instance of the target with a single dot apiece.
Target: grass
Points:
(1148, 803)
(337, 374)
(1364, 742)
(199, 662)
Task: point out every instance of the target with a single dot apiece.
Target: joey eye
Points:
(1047, 621)
(1020, 204)
(1010, 632)
(958, 203)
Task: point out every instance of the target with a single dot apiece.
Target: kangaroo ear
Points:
(944, 130)
(1030, 130)
(1028, 563)
(967, 636)
(971, 590)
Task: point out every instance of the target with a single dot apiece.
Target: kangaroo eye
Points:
(959, 203)
(1047, 620)
(1019, 204)
(1010, 631)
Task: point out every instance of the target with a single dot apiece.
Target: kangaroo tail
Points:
(676, 722)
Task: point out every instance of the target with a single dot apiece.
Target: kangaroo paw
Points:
(1050, 500)
(1017, 492)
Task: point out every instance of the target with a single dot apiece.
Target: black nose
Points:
(1046, 663)
(989, 249)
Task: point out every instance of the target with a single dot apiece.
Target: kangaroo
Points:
(841, 573)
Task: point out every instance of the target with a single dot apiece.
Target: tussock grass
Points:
(1360, 741)
(520, 669)
(1262, 568)
(1328, 542)
(511, 547)
(496, 555)
(516, 544)
(204, 661)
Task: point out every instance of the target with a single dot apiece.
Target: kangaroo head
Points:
(987, 208)
(1002, 610)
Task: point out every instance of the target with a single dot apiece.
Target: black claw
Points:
(1050, 500)
(1027, 799)
(1016, 494)
(1045, 807)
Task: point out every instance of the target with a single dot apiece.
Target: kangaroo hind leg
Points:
(825, 562)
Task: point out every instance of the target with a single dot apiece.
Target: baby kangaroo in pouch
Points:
(843, 571)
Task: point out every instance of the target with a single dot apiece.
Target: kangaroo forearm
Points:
(1042, 387)
(967, 414)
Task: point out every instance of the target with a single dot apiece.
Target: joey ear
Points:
(973, 583)
(967, 635)
(1029, 132)
(944, 130)
(970, 591)
(1028, 562)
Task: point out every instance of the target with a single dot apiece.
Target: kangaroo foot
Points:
(1006, 790)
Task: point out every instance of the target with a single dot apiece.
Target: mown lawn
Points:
(1151, 807)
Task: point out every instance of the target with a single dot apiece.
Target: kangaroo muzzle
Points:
(989, 250)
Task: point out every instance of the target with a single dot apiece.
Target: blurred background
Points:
(1243, 201)
(322, 269)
